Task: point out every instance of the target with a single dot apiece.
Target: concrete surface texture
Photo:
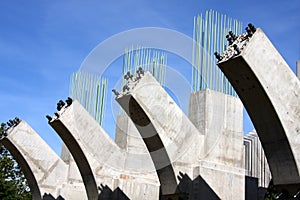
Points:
(269, 90)
(128, 137)
(221, 122)
(216, 157)
(45, 171)
(100, 160)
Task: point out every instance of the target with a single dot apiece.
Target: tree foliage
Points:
(271, 193)
(13, 184)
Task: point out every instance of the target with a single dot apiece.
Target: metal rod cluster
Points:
(91, 91)
(236, 43)
(210, 35)
(131, 80)
(250, 29)
(5, 126)
(150, 60)
(60, 105)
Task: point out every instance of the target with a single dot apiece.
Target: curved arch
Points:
(44, 170)
(168, 134)
(154, 144)
(29, 175)
(79, 157)
(269, 91)
(97, 155)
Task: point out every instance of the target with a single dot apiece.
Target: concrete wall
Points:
(219, 116)
(127, 136)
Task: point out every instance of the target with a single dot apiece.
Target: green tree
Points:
(271, 193)
(13, 184)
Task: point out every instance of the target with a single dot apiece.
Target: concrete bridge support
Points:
(270, 92)
(158, 118)
(45, 171)
(100, 160)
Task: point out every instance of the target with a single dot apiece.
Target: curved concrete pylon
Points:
(100, 160)
(166, 131)
(43, 169)
(79, 157)
(153, 143)
(33, 185)
(270, 92)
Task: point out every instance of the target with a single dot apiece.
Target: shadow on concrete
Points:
(252, 191)
(50, 197)
(186, 189)
(107, 194)
(192, 189)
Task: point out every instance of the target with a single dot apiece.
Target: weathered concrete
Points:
(128, 137)
(100, 160)
(219, 117)
(166, 133)
(157, 116)
(45, 171)
(154, 145)
(270, 92)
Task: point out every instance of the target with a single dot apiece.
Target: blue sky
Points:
(43, 42)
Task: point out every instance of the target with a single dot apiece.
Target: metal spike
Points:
(49, 117)
(279, 195)
(218, 56)
(56, 114)
(125, 87)
(17, 120)
(229, 39)
(9, 124)
(249, 32)
(236, 48)
(61, 102)
(4, 133)
(179, 177)
(234, 37)
(297, 194)
(252, 28)
(116, 92)
(69, 101)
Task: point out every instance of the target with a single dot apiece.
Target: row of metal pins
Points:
(210, 36)
(150, 60)
(91, 91)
